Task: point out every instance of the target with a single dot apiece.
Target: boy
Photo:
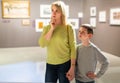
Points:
(87, 57)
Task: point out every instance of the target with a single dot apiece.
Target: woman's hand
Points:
(53, 23)
(70, 74)
(50, 32)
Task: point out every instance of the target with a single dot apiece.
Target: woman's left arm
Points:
(72, 43)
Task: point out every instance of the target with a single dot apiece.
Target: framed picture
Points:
(80, 14)
(115, 16)
(93, 11)
(93, 22)
(74, 23)
(102, 16)
(15, 8)
(45, 11)
(25, 22)
(40, 23)
(67, 10)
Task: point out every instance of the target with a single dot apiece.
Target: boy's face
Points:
(83, 34)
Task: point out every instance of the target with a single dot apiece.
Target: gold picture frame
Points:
(15, 8)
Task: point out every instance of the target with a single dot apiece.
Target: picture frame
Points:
(15, 8)
(45, 11)
(40, 23)
(80, 14)
(102, 16)
(25, 22)
(115, 16)
(93, 22)
(93, 11)
(67, 10)
(74, 23)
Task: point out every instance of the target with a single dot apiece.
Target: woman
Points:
(59, 38)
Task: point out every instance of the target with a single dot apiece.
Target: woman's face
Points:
(56, 15)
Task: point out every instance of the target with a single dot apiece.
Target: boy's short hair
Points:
(88, 27)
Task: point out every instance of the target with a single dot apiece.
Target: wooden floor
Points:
(27, 64)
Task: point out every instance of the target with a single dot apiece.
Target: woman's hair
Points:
(62, 7)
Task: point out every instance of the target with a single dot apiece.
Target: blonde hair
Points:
(61, 5)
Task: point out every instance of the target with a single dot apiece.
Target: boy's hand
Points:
(91, 75)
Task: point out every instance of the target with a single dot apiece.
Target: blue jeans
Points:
(77, 81)
(57, 72)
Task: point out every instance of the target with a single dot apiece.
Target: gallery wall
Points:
(106, 36)
(14, 34)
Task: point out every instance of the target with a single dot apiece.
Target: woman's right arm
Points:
(42, 40)
(45, 36)
(49, 34)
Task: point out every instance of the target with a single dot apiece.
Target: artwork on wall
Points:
(115, 16)
(74, 23)
(15, 8)
(93, 21)
(45, 11)
(40, 23)
(80, 15)
(67, 10)
(25, 22)
(102, 16)
(93, 11)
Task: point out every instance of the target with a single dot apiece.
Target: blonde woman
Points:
(59, 38)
